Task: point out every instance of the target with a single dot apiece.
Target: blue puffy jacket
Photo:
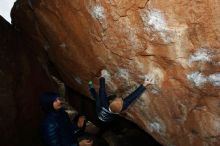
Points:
(57, 128)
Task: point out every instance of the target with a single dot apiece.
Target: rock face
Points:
(175, 42)
(22, 81)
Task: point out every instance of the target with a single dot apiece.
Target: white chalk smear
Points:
(202, 55)
(197, 78)
(123, 73)
(155, 126)
(214, 79)
(98, 12)
(78, 80)
(156, 20)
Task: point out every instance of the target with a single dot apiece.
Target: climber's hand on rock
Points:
(148, 81)
(81, 121)
(104, 73)
(86, 142)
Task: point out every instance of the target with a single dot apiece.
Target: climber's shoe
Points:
(90, 84)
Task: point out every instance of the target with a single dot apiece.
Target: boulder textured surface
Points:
(175, 42)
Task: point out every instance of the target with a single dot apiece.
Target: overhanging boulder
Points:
(175, 42)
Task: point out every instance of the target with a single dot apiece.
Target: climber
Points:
(57, 128)
(108, 107)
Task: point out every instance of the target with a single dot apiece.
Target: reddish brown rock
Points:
(176, 42)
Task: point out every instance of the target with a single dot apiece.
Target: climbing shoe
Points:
(90, 84)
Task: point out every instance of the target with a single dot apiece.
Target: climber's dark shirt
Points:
(102, 103)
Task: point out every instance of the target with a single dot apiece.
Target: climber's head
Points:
(50, 101)
(57, 104)
(115, 104)
(80, 120)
